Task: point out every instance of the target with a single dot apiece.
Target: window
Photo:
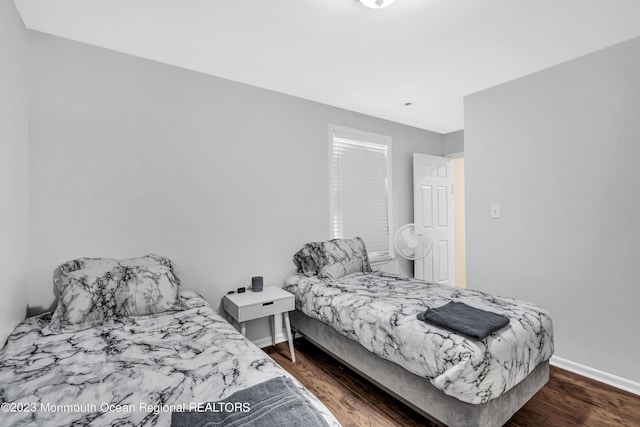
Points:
(360, 173)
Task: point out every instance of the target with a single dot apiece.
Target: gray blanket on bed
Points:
(276, 402)
(464, 319)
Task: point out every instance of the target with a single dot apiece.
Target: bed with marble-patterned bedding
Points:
(378, 311)
(131, 370)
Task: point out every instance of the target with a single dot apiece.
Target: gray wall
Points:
(14, 163)
(130, 156)
(453, 142)
(559, 151)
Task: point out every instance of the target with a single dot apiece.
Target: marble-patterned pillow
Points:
(90, 267)
(95, 267)
(87, 301)
(152, 260)
(340, 257)
(148, 289)
(304, 262)
(96, 291)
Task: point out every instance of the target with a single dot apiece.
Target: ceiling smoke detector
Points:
(376, 4)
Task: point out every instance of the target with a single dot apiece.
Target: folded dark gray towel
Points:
(460, 317)
(276, 402)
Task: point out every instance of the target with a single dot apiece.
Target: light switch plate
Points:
(495, 211)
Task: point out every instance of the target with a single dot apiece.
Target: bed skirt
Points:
(417, 392)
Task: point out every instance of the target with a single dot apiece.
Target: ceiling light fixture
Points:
(376, 4)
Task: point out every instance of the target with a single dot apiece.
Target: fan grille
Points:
(412, 242)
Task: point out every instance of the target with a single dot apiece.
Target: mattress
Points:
(131, 373)
(379, 310)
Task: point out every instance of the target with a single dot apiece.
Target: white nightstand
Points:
(272, 301)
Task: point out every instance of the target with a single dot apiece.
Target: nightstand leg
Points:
(273, 330)
(243, 328)
(287, 325)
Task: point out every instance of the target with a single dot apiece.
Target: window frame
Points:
(366, 138)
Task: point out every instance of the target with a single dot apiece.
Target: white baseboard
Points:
(595, 374)
(266, 341)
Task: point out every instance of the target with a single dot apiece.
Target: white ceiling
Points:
(428, 52)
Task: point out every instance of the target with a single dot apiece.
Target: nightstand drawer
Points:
(266, 308)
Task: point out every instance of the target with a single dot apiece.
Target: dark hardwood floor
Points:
(567, 400)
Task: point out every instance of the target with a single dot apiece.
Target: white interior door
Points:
(433, 210)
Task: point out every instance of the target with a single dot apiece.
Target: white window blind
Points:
(361, 189)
